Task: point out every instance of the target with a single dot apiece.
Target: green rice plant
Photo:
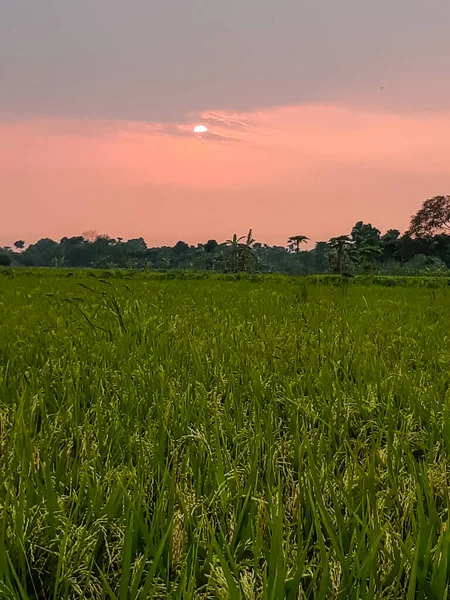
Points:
(213, 438)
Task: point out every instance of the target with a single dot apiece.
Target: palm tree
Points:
(295, 241)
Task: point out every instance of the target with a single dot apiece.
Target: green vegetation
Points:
(263, 438)
(422, 250)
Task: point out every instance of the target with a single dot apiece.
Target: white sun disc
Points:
(200, 129)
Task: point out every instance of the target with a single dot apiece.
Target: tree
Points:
(210, 246)
(181, 254)
(367, 244)
(135, 244)
(181, 248)
(19, 244)
(295, 241)
(132, 253)
(441, 247)
(42, 253)
(389, 244)
(408, 247)
(75, 251)
(340, 253)
(365, 234)
(432, 218)
(320, 255)
(101, 250)
(5, 259)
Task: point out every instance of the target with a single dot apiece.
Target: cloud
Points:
(225, 121)
(239, 146)
(111, 60)
(186, 131)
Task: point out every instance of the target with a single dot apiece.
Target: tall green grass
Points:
(223, 439)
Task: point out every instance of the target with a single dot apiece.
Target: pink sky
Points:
(320, 114)
(308, 169)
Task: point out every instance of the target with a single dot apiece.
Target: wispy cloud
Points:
(226, 121)
(217, 132)
(214, 134)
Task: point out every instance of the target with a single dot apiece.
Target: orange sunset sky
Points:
(318, 116)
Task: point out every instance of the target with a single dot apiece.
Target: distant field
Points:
(264, 438)
(430, 281)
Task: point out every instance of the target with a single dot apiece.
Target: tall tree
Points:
(181, 255)
(432, 218)
(319, 254)
(365, 234)
(367, 244)
(19, 244)
(389, 244)
(295, 241)
(340, 253)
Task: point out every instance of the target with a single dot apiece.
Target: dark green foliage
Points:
(340, 254)
(432, 218)
(5, 259)
(240, 255)
(364, 234)
(295, 241)
(423, 250)
(210, 246)
(389, 245)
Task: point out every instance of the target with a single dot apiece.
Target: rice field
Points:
(223, 439)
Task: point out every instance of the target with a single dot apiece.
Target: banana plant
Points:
(242, 257)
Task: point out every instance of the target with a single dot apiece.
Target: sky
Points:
(320, 113)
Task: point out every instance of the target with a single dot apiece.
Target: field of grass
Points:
(223, 439)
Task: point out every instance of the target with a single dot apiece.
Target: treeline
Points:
(424, 248)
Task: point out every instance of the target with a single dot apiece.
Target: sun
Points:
(200, 129)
